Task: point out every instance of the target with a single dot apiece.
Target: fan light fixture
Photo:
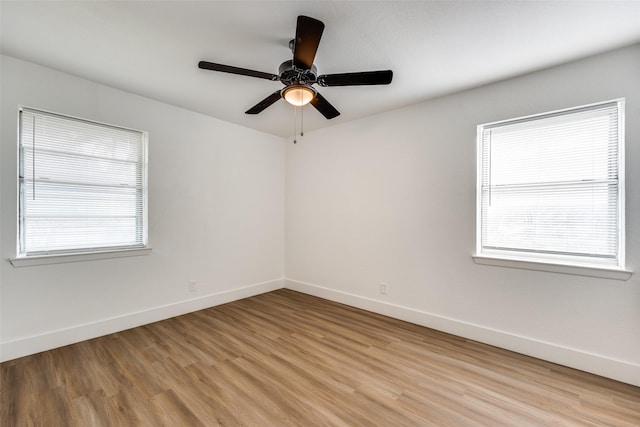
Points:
(298, 95)
(299, 74)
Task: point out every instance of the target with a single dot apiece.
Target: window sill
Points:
(602, 272)
(87, 256)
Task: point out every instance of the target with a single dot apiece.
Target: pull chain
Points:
(295, 124)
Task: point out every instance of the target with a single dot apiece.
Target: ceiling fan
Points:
(299, 74)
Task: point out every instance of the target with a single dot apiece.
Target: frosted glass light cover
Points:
(298, 95)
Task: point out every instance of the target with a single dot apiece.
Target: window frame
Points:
(555, 262)
(55, 256)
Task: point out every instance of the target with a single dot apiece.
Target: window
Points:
(82, 186)
(551, 187)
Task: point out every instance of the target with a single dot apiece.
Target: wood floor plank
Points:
(288, 359)
(91, 409)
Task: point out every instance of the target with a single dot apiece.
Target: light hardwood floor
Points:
(286, 358)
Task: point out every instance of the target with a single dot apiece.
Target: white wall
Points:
(392, 198)
(216, 215)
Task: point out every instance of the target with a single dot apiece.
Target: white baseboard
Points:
(594, 363)
(597, 364)
(42, 342)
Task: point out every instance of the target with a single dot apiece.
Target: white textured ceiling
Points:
(152, 48)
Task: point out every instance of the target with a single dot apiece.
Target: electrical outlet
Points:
(193, 287)
(383, 288)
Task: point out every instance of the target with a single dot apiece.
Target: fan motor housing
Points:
(290, 74)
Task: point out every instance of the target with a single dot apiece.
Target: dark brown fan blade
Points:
(308, 34)
(325, 108)
(357, 79)
(236, 70)
(264, 103)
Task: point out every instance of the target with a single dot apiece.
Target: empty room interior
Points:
(272, 213)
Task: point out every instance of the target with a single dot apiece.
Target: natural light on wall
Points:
(551, 187)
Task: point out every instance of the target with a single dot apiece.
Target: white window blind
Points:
(551, 186)
(82, 185)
